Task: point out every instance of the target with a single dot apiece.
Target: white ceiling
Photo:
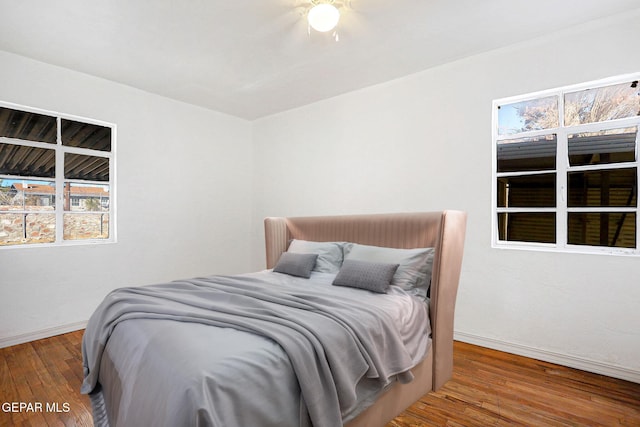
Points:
(252, 58)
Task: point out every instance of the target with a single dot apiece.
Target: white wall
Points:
(183, 193)
(424, 143)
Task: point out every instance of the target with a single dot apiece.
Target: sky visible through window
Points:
(533, 114)
(509, 118)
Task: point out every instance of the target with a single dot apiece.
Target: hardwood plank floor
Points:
(47, 371)
(488, 388)
(500, 389)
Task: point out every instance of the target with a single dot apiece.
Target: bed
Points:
(275, 348)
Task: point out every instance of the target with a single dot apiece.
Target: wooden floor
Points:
(489, 388)
(492, 388)
(44, 371)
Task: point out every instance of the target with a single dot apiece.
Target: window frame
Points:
(59, 178)
(562, 169)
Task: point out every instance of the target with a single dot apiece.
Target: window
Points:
(565, 168)
(56, 178)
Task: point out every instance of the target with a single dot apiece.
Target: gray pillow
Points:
(296, 264)
(413, 274)
(373, 276)
(329, 254)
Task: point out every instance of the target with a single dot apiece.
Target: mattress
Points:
(189, 367)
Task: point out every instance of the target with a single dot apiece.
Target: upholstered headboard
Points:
(445, 231)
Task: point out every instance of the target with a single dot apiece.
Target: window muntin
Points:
(75, 200)
(571, 183)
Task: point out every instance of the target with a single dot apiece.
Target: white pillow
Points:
(329, 254)
(413, 274)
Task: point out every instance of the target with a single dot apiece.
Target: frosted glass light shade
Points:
(323, 17)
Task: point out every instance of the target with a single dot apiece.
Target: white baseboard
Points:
(43, 333)
(552, 357)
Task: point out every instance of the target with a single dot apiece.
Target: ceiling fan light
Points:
(323, 17)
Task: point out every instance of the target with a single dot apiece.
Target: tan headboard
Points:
(443, 230)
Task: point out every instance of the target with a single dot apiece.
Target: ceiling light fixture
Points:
(323, 17)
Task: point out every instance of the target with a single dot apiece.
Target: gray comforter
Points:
(252, 350)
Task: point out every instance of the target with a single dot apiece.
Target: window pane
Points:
(82, 226)
(21, 160)
(25, 228)
(27, 195)
(527, 191)
(602, 229)
(611, 146)
(527, 227)
(527, 154)
(535, 114)
(601, 104)
(6, 196)
(86, 197)
(85, 135)
(91, 168)
(27, 126)
(615, 187)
